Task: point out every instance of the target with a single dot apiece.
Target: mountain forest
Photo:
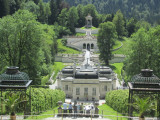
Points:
(140, 9)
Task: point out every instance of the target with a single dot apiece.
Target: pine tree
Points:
(53, 16)
(4, 8)
(119, 22)
(41, 16)
(72, 19)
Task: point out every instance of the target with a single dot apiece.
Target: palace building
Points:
(86, 82)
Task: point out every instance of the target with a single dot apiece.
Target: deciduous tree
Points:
(20, 39)
(144, 52)
(106, 35)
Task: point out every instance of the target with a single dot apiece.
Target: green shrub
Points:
(118, 100)
(45, 99)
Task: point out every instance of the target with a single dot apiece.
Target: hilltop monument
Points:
(88, 21)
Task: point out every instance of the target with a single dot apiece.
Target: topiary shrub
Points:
(118, 100)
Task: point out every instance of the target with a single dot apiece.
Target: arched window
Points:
(92, 46)
(84, 46)
(88, 46)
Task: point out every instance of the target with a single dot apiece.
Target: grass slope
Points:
(109, 112)
(117, 67)
(117, 44)
(57, 67)
(66, 50)
(80, 34)
(126, 46)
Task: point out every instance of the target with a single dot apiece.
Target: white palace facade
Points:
(86, 82)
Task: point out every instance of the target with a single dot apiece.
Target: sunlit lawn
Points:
(46, 114)
(88, 28)
(57, 67)
(117, 67)
(66, 50)
(109, 112)
(80, 34)
(117, 44)
(125, 48)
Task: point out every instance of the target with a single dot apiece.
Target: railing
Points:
(91, 115)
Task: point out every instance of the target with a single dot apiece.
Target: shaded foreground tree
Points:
(144, 52)
(20, 39)
(106, 35)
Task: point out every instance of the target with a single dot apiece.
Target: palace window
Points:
(94, 91)
(66, 87)
(105, 88)
(85, 91)
(77, 91)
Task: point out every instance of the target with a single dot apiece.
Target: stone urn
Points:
(141, 117)
(12, 116)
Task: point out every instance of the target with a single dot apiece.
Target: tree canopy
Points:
(147, 10)
(106, 36)
(26, 43)
(144, 52)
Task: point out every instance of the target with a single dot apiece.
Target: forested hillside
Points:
(140, 9)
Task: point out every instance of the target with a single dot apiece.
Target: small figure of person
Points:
(70, 108)
(92, 109)
(75, 110)
(65, 105)
(81, 109)
(78, 109)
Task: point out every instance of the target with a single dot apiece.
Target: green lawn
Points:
(126, 46)
(46, 114)
(57, 67)
(88, 28)
(117, 44)
(109, 112)
(80, 34)
(117, 67)
(66, 50)
(95, 35)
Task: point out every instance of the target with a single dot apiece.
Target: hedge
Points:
(118, 100)
(45, 99)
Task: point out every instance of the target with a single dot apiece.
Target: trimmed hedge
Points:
(45, 99)
(118, 100)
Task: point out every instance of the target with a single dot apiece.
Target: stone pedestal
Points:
(96, 112)
(96, 104)
(59, 111)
